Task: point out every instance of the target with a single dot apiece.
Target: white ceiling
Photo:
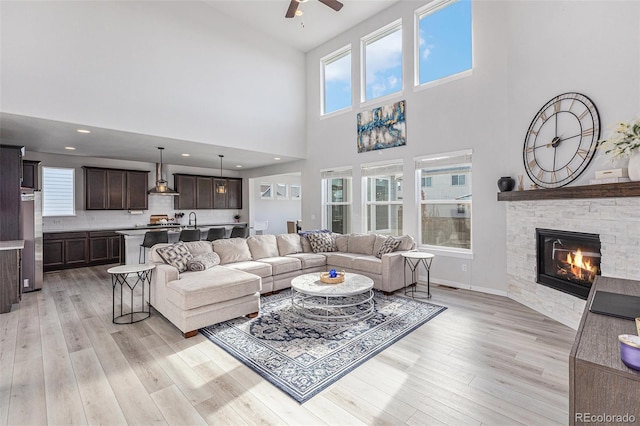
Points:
(318, 25)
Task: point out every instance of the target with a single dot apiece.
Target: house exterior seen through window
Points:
(444, 40)
(336, 200)
(383, 198)
(445, 205)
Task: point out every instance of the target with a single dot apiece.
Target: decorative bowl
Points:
(326, 278)
(630, 350)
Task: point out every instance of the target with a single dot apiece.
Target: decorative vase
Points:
(506, 183)
(634, 166)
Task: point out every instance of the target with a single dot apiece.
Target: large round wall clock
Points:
(561, 140)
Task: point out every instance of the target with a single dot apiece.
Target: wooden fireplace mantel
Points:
(606, 190)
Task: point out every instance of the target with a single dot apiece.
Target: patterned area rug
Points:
(303, 358)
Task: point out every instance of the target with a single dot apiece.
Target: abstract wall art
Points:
(382, 127)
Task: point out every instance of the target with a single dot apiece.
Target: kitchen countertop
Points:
(145, 228)
(12, 245)
(175, 230)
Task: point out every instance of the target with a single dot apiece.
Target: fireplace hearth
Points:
(568, 261)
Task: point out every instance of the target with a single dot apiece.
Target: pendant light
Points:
(221, 187)
(162, 187)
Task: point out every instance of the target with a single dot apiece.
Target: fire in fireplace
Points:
(568, 261)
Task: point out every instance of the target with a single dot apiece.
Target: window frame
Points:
(418, 15)
(328, 59)
(73, 191)
(346, 174)
(369, 196)
(371, 38)
(449, 251)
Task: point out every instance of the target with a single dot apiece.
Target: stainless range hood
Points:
(162, 187)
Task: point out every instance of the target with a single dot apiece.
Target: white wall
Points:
(276, 211)
(175, 69)
(525, 52)
(122, 219)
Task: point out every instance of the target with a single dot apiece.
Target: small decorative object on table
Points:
(624, 142)
(236, 218)
(332, 277)
(630, 350)
(520, 184)
(506, 183)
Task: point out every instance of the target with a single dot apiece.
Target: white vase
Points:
(634, 166)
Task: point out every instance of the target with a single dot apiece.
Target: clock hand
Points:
(570, 137)
(554, 142)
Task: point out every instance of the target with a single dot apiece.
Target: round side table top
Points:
(417, 255)
(131, 269)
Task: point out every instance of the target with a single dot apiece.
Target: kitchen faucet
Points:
(195, 220)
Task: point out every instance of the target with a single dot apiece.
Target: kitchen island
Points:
(134, 237)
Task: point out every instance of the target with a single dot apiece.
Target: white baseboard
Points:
(468, 287)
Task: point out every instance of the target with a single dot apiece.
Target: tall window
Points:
(336, 77)
(382, 71)
(445, 204)
(383, 198)
(58, 192)
(443, 46)
(336, 200)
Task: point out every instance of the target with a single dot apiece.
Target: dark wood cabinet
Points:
(199, 192)
(204, 192)
(30, 174)
(186, 186)
(10, 175)
(114, 189)
(137, 185)
(64, 250)
(10, 278)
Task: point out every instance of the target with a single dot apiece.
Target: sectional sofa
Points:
(262, 264)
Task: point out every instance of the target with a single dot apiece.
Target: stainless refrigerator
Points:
(31, 233)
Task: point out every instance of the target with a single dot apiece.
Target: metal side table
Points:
(413, 259)
(130, 276)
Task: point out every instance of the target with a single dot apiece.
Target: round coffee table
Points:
(349, 301)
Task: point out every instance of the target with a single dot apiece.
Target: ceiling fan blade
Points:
(291, 12)
(333, 4)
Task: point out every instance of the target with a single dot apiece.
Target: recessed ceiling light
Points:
(299, 12)
(83, 131)
(302, 1)
(276, 158)
(186, 155)
(70, 148)
(238, 165)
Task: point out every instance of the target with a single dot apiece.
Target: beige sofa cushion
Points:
(361, 243)
(380, 239)
(310, 260)
(232, 250)
(289, 244)
(282, 265)
(263, 246)
(340, 260)
(196, 248)
(369, 264)
(342, 242)
(406, 243)
(306, 245)
(261, 269)
(217, 284)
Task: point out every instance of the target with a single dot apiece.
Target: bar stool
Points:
(216, 234)
(189, 235)
(151, 238)
(239, 232)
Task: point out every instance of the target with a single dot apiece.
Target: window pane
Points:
(387, 219)
(447, 225)
(337, 83)
(452, 183)
(382, 190)
(338, 191)
(383, 65)
(445, 42)
(58, 192)
(338, 218)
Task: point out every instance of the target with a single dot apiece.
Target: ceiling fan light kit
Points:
(293, 7)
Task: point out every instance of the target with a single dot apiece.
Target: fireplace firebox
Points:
(568, 261)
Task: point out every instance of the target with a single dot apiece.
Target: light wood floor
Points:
(486, 360)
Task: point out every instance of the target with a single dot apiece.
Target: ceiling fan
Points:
(293, 6)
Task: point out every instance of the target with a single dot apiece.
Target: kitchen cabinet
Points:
(10, 274)
(104, 247)
(186, 186)
(199, 192)
(115, 189)
(10, 175)
(30, 174)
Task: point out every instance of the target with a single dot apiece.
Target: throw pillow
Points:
(289, 244)
(388, 246)
(203, 261)
(322, 243)
(176, 255)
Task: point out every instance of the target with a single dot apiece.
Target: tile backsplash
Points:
(122, 219)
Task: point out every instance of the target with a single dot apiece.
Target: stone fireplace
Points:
(616, 220)
(567, 261)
